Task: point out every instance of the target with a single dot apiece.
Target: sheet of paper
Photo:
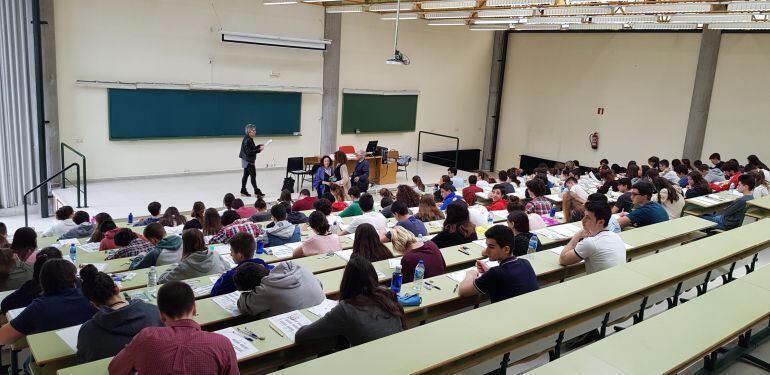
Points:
(481, 243)
(229, 260)
(289, 323)
(414, 210)
(90, 247)
(428, 237)
(293, 245)
(324, 307)
(380, 275)
(557, 250)
(176, 230)
(203, 290)
(344, 254)
(243, 348)
(352, 236)
(69, 242)
(214, 279)
(457, 276)
(12, 314)
(269, 141)
(70, 336)
(229, 302)
(501, 213)
(221, 249)
(393, 262)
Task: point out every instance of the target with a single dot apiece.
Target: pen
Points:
(462, 250)
(276, 330)
(250, 333)
(245, 336)
(455, 289)
(430, 282)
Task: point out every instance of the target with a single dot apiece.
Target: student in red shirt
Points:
(304, 202)
(732, 172)
(179, 348)
(498, 201)
(469, 192)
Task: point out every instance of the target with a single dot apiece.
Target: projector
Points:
(397, 59)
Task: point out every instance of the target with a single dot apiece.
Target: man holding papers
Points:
(594, 244)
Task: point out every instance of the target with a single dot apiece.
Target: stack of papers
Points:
(228, 302)
(243, 348)
(70, 336)
(90, 247)
(324, 307)
(203, 290)
(222, 249)
(288, 324)
(281, 251)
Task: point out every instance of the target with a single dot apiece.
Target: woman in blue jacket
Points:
(323, 176)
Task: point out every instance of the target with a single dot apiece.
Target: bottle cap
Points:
(398, 268)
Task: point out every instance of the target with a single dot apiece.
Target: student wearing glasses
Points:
(646, 212)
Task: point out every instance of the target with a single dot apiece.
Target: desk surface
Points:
(763, 203)
(713, 200)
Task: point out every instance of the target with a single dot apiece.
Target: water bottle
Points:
(490, 220)
(152, 278)
(395, 282)
(732, 188)
(552, 213)
(532, 247)
(260, 245)
(420, 239)
(419, 274)
(73, 253)
(130, 218)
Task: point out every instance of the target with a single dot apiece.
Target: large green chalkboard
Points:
(367, 113)
(141, 114)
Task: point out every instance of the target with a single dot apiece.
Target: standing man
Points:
(248, 155)
(361, 173)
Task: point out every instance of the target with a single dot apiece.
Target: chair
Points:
(296, 167)
(348, 149)
(401, 161)
(310, 163)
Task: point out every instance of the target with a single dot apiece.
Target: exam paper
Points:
(229, 302)
(70, 336)
(202, 290)
(289, 323)
(243, 348)
(322, 308)
(344, 254)
(229, 259)
(457, 276)
(221, 249)
(393, 262)
(69, 242)
(12, 314)
(90, 247)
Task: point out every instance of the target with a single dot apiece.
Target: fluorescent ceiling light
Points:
(278, 2)
(448, 23)
(667, 8)
(748, 6)
(527, 12)
(438, 15)
(593, 26)
(664, 26)
(709, 18)
(345, 9)
(574, 11)
(317, 1)
(448, 5)
(498, 21)
(390, 7)
(624, 19)
(402, 16)
(488, 27)
(543, 27)
(162, 86)
(277, 41)
(740, 26)
(553, 20)
(514, 3)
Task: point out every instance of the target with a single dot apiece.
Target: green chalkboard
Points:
(142, 114)
(367, 113)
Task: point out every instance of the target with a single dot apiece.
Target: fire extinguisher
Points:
(593, 138)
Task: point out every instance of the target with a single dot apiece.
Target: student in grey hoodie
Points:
(116, 322)
(167, 250)
(287, 287)
(281, 231)
(196, 261)
(83, 229)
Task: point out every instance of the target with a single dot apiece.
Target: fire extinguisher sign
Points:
(600, 111)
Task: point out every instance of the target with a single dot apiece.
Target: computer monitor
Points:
(371, 147)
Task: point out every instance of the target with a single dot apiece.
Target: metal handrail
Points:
(85, 180)
(457, 145)
(44, 200)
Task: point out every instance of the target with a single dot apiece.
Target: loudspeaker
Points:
(383, 152)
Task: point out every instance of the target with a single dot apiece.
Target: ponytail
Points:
(97, 286)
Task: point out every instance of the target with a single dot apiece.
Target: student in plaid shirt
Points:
(130, 244)
(539, 204)
(233, 224)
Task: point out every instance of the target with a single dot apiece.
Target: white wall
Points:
(738, 121)
(174, 40)
(554, 84)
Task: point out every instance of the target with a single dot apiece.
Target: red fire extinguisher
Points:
(594, 140)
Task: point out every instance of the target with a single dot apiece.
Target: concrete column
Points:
(331, 83)
(701, 93)
(499, 52)
(49, 89)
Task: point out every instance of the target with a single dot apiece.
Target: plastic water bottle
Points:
(73, 253)
(260, 245)
(532, 247)
(130, 218)
(732, 188)
(420, 240)
(552, 213)
(419, 275)
(398, 278)
(490, 220)
(152, 278)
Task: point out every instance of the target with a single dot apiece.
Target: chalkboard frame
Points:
(346, 127)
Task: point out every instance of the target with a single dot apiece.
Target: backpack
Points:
(288, 184)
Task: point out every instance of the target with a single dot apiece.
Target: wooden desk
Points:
(379, 173)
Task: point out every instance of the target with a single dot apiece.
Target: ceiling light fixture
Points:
(345, 9)
(430, 5)
(439, 15)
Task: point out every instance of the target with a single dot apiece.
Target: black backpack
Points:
(288, 184)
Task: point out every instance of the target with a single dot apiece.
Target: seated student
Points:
(98, 235)
(367, 243)
(646, 211)
(165, 250)
(353, 209)
(469, 192)
(447, 195)
(666, 172)
(711, 175)
(83, 227)
(456, 180)
(61, 304)
(482, 179)
(715, 159)
(281, 231)
(30, 290)
(610, 183)
(261, 214)
(573, 199)
(154, 209)
(130, 244)
(697, 185)
(762, 188)
(242, 247)
(457, 228)
(386, 199)
(499, 199)
(681, 174)
(407, 195)
(598, 247)
(227, 201)
(538, 204)
(339, 198)
(514, 276)
(294, 217)
(14, 269)
(179, 348)
(196, 260)
(115, 323)
(212, 222)
(304, 202)
(405, 219)
(196, 216)
(732, 216)
(287, 287)
(427, 210)
(242, 210)
(633, 173)
(731, 172)
(369, 216)
(413, 251)
(323, 205)
(624, 202)
(322, 242)
(535, 221)
(63, 223)
(505, 180)
(419, 186)
(172, 218)
(365, 312)
(232, 224)
(518, 221)
(668, 196)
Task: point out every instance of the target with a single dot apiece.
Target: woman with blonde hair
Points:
(414, 251)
